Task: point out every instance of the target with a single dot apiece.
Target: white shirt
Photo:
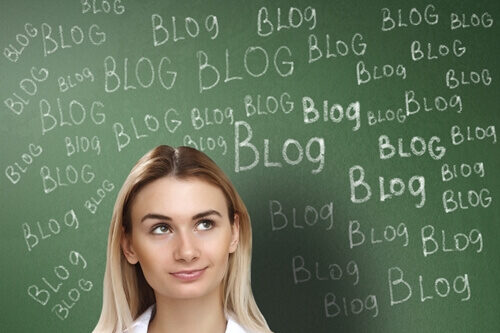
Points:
(141, 324)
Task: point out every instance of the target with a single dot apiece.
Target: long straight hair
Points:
(126, 293)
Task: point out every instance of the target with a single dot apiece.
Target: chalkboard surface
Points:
(362, 136)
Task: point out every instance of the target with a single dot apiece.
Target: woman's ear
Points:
(235, 234)
(128, 249)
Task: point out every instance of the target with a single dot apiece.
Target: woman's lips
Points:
(189, 275)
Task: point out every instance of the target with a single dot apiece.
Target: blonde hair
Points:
(126, 294)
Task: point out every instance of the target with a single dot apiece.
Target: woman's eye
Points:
(205, 225)
(161, 229)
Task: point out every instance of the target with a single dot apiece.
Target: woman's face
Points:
(181, 236)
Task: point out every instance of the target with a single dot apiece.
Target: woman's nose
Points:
(186, 248)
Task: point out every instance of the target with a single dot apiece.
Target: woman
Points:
(179, 250)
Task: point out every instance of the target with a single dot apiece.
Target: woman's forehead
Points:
(177, 197)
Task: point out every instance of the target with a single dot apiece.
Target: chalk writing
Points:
(433, 242)
(14, 51)
(144, 74)
(464, 170)
(215, 116)
(52, 42)
(255, 62)
(401, 290)
(388, 115)
(364, 75)
(255, 105)
(347, 306)
(440, 103)
(70, 81)
(331, 272)
(310, 217)
(82, 144)
(149, 124)
(340, 48)
(95, 200)
(288, 158)
(29, 88)
(469, 134)
(397, 187)
(421, 51)
(69, 176)
(14, 172)
(454, 80)
(102, 6)
(53, 283)
(161, 34)
(334, 113)
(44, 230)
(207, 144)
(357, 237)
(417, 147)
(73, 113)
(296, 18)
(464, 21)
(453, 200)
(413, 17)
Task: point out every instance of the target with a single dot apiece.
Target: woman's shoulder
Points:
(233, 326)
(140, 325)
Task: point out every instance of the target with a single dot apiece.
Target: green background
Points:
(287, 306)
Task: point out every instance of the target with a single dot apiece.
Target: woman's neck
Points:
(185, 316)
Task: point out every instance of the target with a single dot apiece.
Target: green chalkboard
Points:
(362, 136)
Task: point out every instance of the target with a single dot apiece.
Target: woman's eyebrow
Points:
(155, 216)
(206, 213)
(167, 218)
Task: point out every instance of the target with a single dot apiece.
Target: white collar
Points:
(140, 325)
